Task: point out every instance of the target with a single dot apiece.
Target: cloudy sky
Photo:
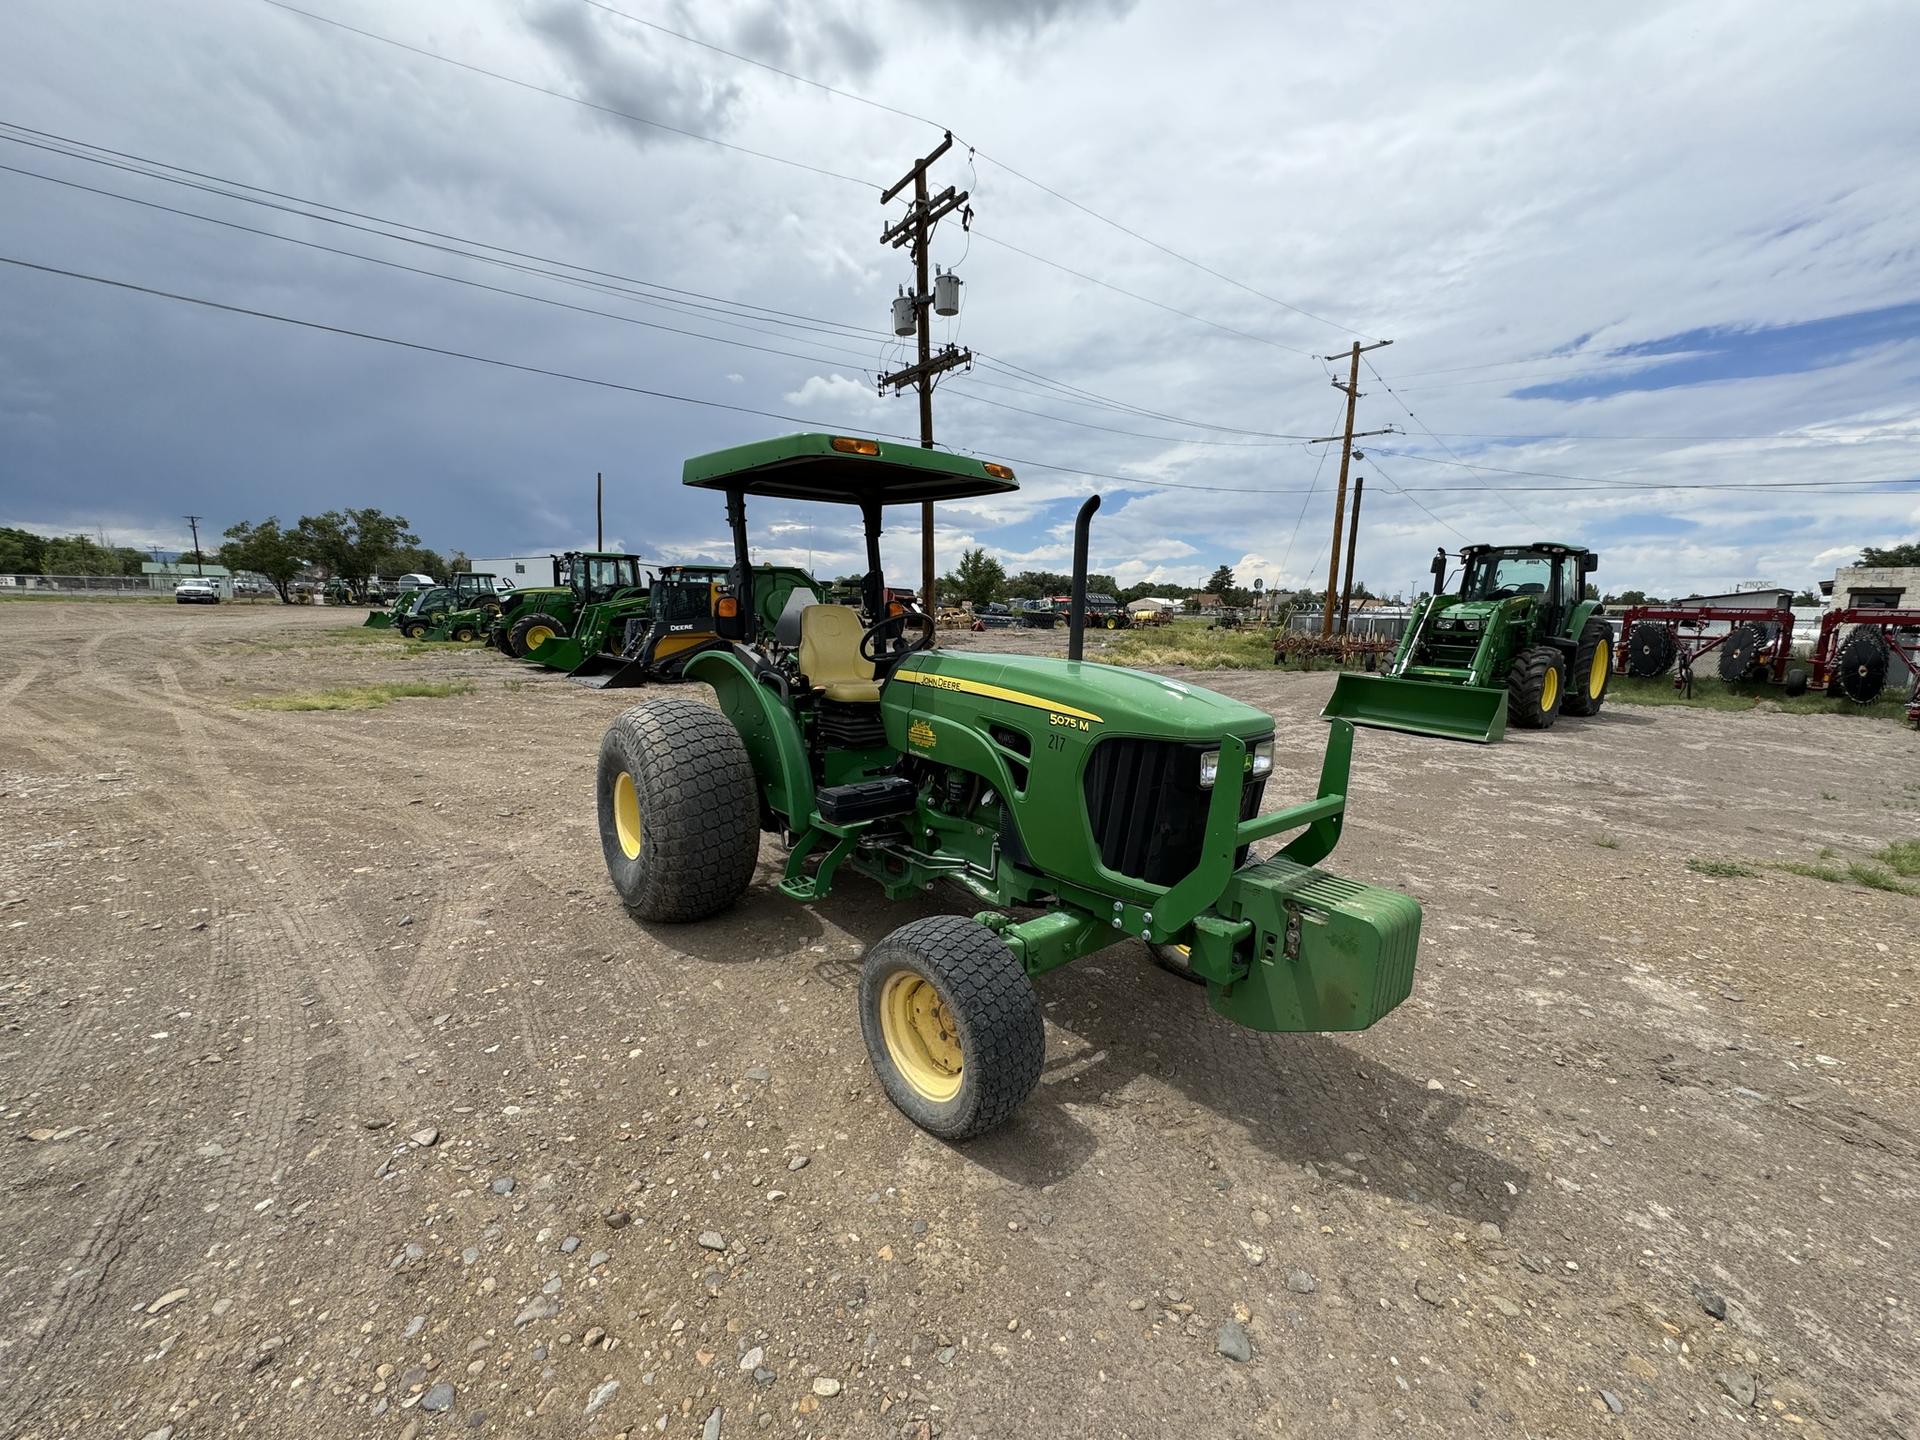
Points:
(1616, 248)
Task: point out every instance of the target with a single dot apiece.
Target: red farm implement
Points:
(1855, 653)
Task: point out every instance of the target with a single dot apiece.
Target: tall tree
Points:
(978, 579)
(357, 544)
(1035, 584)
(82, 555)
(265, 549)
(1892, 555)
(22, 552)
(1220, 582)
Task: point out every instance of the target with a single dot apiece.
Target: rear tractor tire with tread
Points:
(952, 1025)
(1536, 685)
(678, 809)
(1649, 650)
(531, 630)
(1592, 669)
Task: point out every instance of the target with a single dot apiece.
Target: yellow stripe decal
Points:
(991, 692)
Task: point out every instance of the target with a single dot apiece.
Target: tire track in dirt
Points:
(79, 1292)
(332, 955)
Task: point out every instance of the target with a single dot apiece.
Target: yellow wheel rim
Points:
(626, 815)
(538, 636)
(1597, 677)
(1549, 690)
(922, 1039)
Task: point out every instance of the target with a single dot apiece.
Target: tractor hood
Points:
(1098, 699)
(1463, 614)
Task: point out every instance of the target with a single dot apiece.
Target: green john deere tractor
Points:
(581, 578)
(428, 609)
(1516, 643)
(632, 640)
(1105, 804)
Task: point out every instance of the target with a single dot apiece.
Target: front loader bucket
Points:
(610, 672)
(377, 620)
(1420, 707)
(559, 653)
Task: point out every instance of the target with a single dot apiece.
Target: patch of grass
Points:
(361, 697)
(1712, 693)
(1902, 857)
(1194, 646)
(1606, 842)
(1874, 878)
(1722, 869)
(1813, 872)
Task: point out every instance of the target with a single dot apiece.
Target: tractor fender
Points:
(767, 728)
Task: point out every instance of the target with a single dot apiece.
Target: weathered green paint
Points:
(807, 467)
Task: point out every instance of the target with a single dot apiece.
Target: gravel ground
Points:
(341, 1098)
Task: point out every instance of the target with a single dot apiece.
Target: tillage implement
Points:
(1078, 804)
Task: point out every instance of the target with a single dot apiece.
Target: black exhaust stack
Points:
(1077, 601)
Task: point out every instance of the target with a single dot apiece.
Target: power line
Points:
(416, 270)
(979, 234)
(1320, 465)
(1136, 434)
(669, 295)
(570, 99)
(1082, 207)
(1401, 491)
(1597, 483)
(1435, 438)
(420, 346)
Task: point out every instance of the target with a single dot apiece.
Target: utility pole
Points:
(599, 513)
(1352, 392)
(1353, 529)
(913, 315)
(194, 521)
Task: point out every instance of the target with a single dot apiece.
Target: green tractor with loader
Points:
(581, 578)
(1517, 642)
(427, 609)
(639, 637)
(1081, 805)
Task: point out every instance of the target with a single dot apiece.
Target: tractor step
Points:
(878, 799)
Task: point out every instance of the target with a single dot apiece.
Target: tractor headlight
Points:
(1259, 764)
(1473, 624)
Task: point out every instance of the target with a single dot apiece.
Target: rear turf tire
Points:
(977, 1053)
(465, 634)
(518, 635)
(1592, 669)
(679, 814)
(1536, 686)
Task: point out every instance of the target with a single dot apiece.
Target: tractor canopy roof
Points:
(846, 470)
(1533, 547)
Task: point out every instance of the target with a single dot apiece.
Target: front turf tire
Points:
(952, 1025)
(1536, 686)
(1592, 669)
(679, 813)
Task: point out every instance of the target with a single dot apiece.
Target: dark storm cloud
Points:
(828, 46)
(635, 71)
(1025, 16)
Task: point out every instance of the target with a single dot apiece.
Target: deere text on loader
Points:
(1102, 804)
(1517, 642)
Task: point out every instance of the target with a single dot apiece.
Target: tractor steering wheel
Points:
(892, 632)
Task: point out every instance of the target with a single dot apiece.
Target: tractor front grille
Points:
(1147, 809)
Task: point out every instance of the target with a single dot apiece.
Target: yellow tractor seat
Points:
(830, 654)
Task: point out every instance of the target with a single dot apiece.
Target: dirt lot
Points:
(340, 1098)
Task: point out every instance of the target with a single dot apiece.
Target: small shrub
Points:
(1874, 878)
(1902, 857)
(1606, 842)
(1722, 869)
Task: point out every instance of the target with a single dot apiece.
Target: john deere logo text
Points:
(920, 733)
